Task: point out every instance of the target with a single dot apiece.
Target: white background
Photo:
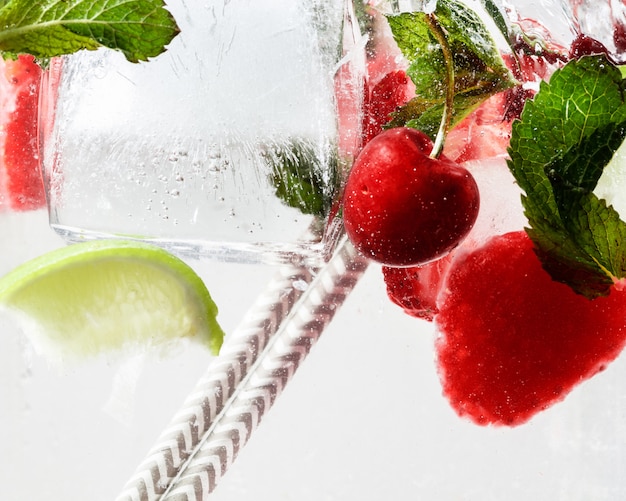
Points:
(362, 419)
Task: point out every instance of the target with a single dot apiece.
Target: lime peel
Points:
(102, 295)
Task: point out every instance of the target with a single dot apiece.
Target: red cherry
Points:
(403, 208)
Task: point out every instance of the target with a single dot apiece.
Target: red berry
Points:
(585, 46)
(416, 288)
(484, 133)
(513, 341)
(19, 154)
(619, 38)
(403, 208)
(529, 64)
(387, 95)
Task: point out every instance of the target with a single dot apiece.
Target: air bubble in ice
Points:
(100, 69)
(214, 165)
(300, 285)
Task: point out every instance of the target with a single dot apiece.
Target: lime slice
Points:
(102, 295)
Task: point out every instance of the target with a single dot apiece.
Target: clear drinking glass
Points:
(200, 149)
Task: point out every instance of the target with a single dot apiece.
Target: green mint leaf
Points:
(46, 28)
(425, 114)
(479, 69)
(301, 177)
(497, 16)
(566, 136)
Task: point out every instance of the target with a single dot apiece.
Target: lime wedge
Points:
(102, 295)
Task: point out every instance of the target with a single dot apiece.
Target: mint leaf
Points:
(479, 69)
(46, 28)
(497, 16)
(301, 177)
(566, 136)
(425, 114)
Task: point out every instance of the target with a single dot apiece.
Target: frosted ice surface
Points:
(243, 68)
(555, 17)
(176, 147)
(612, 184)
(120, 405)
(500, 203)
(501, 209)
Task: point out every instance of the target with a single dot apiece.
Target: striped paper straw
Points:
(258, 360)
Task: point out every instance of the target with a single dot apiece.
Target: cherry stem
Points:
(448, 106)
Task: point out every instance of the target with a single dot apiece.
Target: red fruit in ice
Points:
(20, 177)
(584, 45)
(513, 341)
(619, 38)
(530, 65)
(415, 289)
(484, 133)
(392, 91)
(403, 208)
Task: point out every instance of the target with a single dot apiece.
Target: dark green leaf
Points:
(498, 17)
(302, 177)
(565, 138)
(46, 28)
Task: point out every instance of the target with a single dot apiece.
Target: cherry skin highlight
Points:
(403, 208)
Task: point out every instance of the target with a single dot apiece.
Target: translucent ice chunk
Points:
(612, 183)
(500, 203)
(176, 149)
